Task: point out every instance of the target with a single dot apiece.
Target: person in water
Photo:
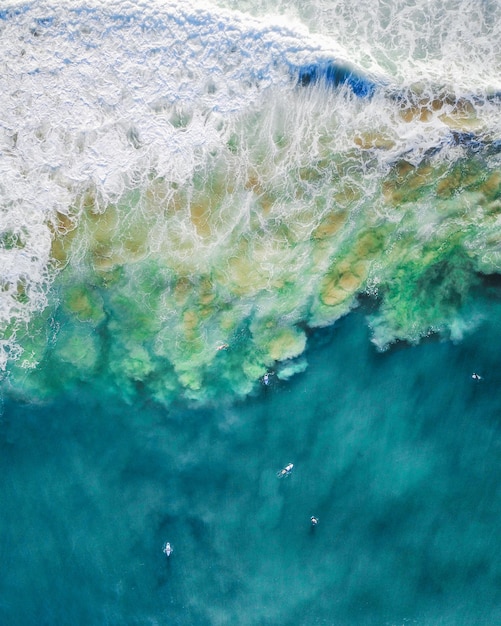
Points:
(476, 376)
(267, 378)
(286, 471)
(314, 520)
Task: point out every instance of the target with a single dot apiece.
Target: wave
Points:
(186, 191)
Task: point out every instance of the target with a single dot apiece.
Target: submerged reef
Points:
(187, 191)
(197, 290)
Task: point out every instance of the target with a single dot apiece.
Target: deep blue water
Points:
(397, 453)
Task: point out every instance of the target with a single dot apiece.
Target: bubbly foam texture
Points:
(199, 208)
(94, 99)
(451, 44)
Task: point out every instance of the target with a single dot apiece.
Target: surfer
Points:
(168, 549)
(286, 471)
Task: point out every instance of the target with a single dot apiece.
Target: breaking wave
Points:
(186, 191)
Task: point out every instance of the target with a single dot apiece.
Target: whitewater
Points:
(235, 175)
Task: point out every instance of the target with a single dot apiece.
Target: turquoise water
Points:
(236, 235)
(396, 453)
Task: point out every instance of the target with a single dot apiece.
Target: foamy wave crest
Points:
(99, 96)
(449, 43)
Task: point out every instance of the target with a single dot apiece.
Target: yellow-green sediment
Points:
(198, 290)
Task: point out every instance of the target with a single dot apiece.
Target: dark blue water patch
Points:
(494, 147)
(333, 75)
(472, 142)
(9, 13)
(491, 282)
(44, 21)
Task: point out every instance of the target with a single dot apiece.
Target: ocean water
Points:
(396, 453)
(237, 235)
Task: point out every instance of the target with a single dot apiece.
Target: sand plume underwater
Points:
(234, 236)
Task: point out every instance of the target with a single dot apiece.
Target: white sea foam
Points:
(451, 43)
(101, 96)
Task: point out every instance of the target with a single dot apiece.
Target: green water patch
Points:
(425, 296)
(199, 290)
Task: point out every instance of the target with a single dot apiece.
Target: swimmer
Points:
(286, 471)
(223, 346)
(476, 376)
(267, 378)
(314, 520)
(168, 549)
